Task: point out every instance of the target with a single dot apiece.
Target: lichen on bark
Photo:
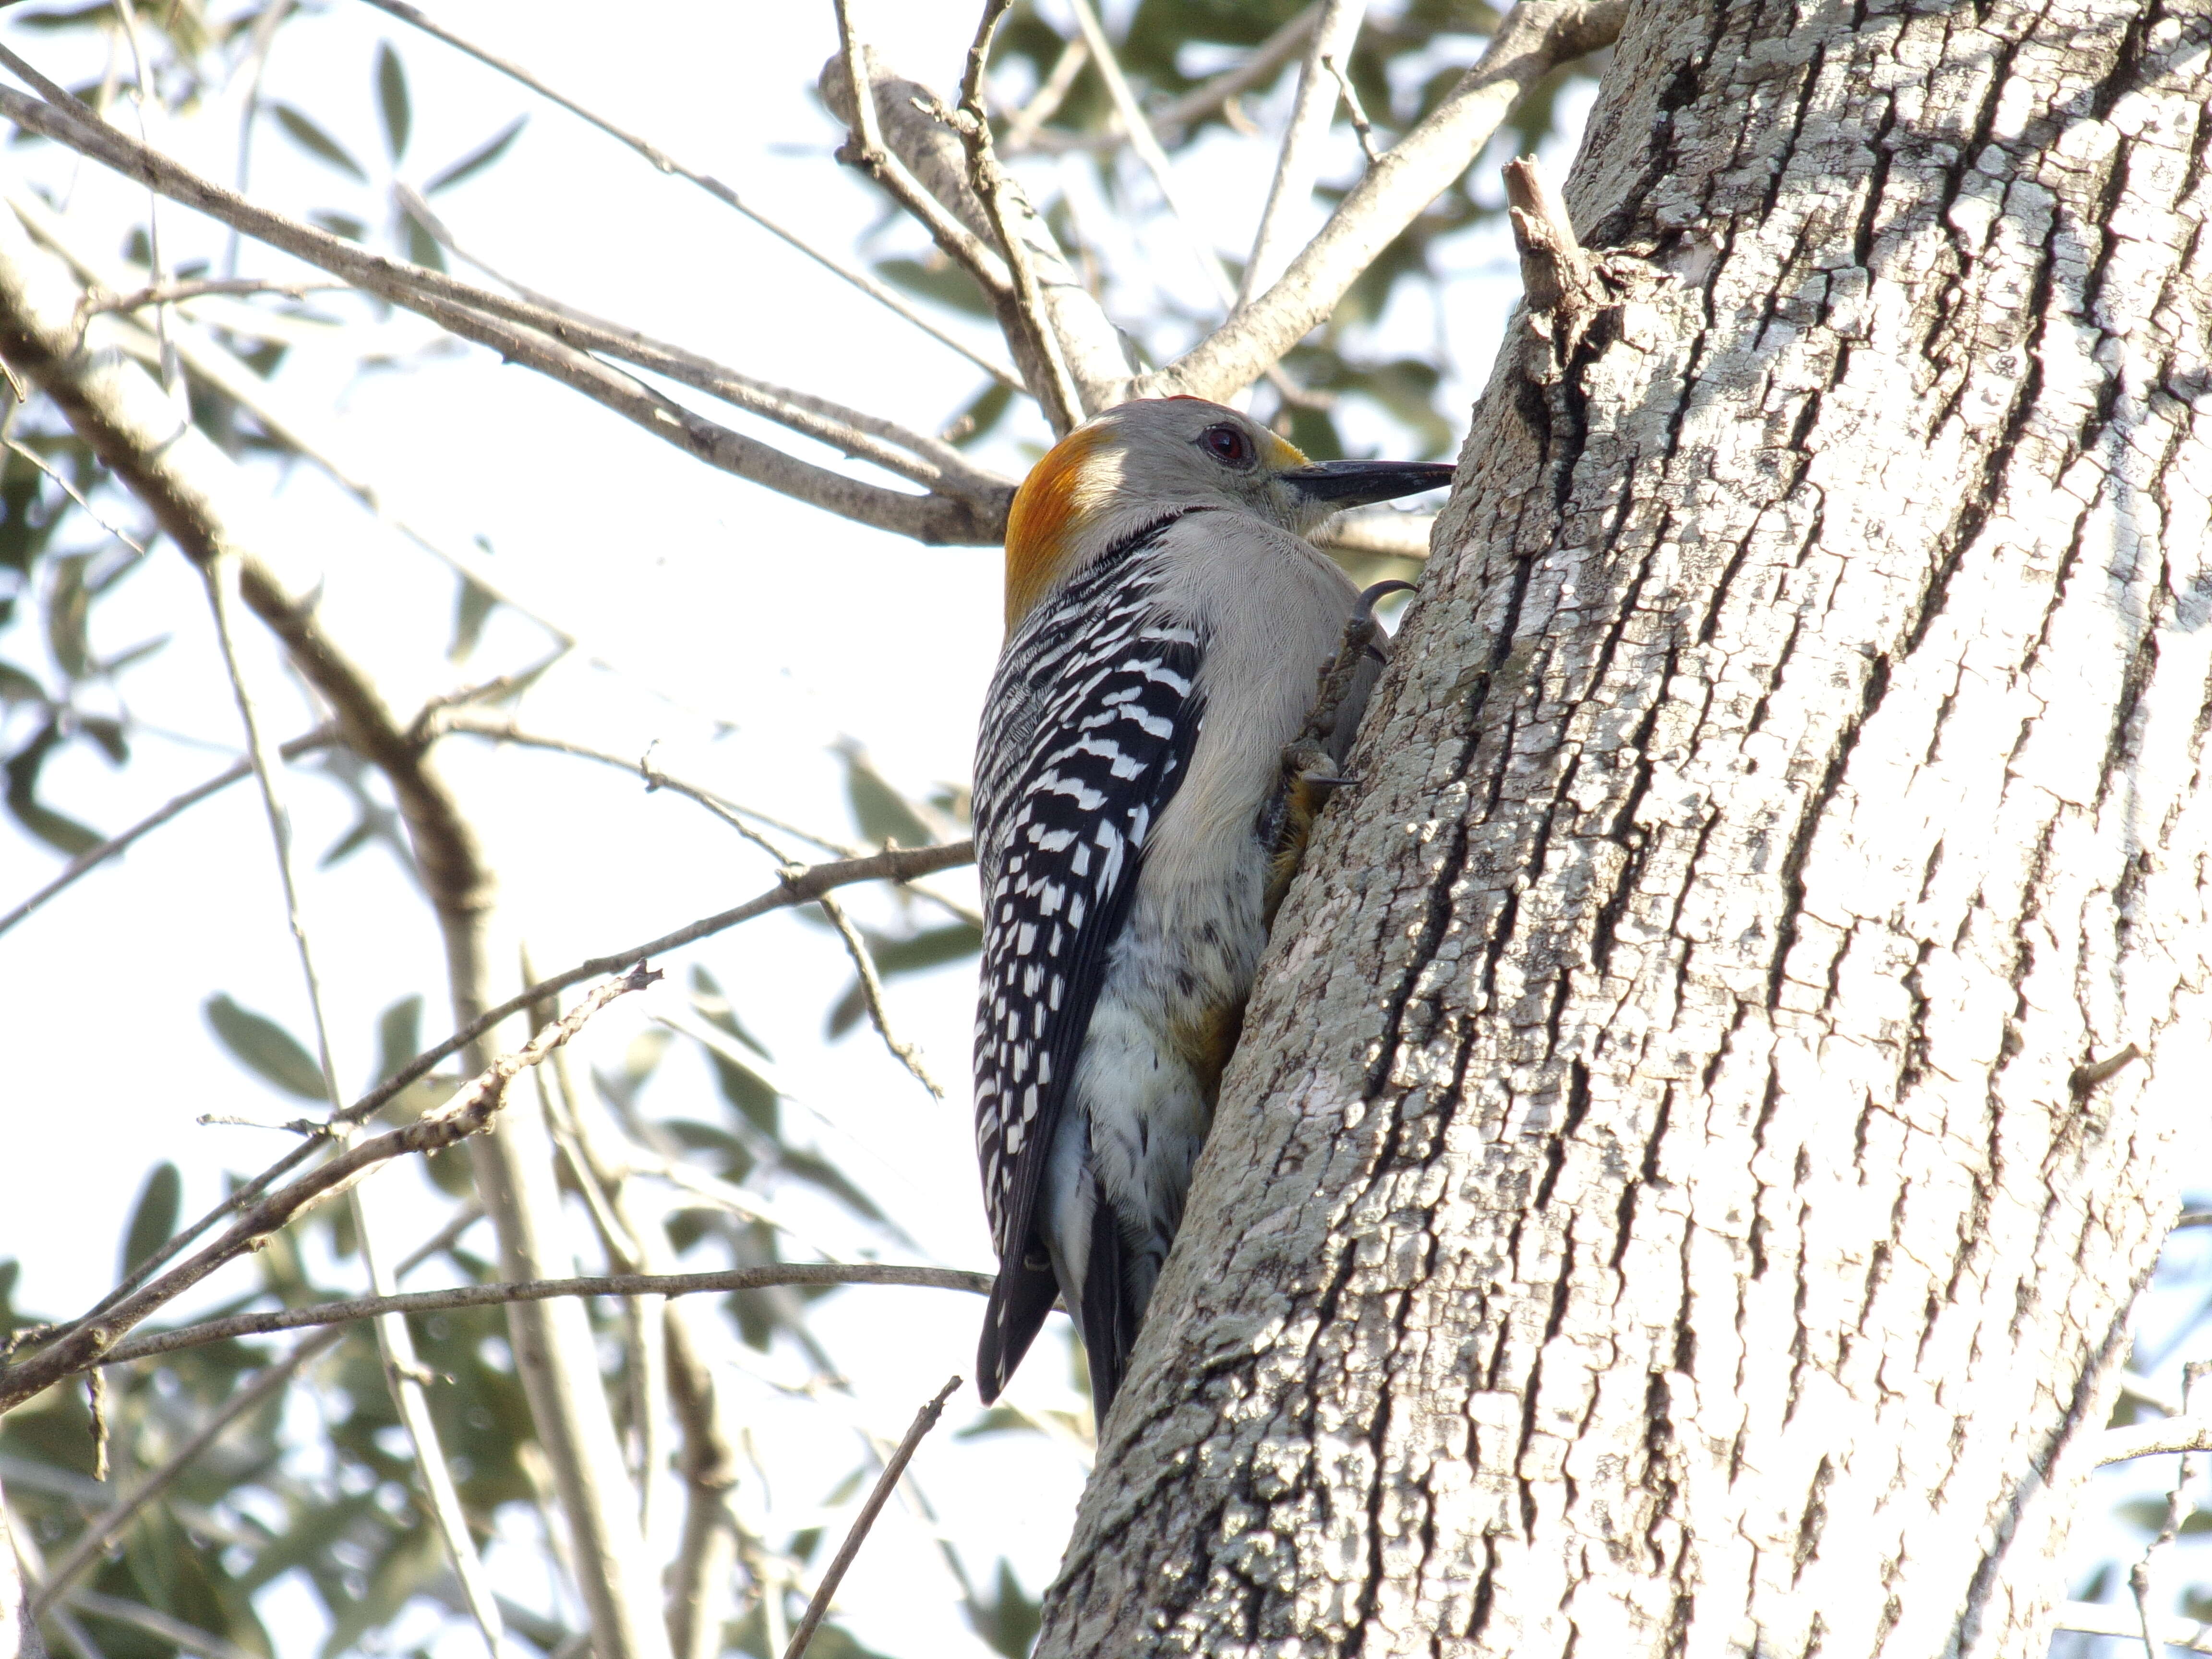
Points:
(1657, 1207)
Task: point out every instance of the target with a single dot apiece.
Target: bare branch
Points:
(1062, 403)
(1149, 151)
(871, 993)
(1045, 104)
(2111, 1618)
(1097, 357)
(893, 863)
(1535, 37)
(715, 187)
(864, 150)
(1266, 63)
(19, 1630)
(1297, 164)
(395, 1343)
(894, 1465)
(928, 461)
(2171, 1434)
(555, 345)
(165, 293)
(87, 1343)
(84, 863)
(237, 1326)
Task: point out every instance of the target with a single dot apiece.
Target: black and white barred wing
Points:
(1094, 716)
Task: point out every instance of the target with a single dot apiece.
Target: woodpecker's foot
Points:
(1353, 652)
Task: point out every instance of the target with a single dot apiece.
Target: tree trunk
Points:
(1669, 1198)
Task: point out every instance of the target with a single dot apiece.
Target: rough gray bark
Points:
(1659, 1205)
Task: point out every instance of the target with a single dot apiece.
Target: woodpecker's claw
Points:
(1364, 610)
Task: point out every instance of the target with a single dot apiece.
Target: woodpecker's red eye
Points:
(1227, 444)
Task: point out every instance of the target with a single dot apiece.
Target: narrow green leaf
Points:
(108, 734)
(392, 100)
(266, 1048)
(154, 1217)
(123, 660)
(16, 686)
(340, 224)
(317, 142)
(479, 158)
(931, 948)
(882, 813)
(398, 1036)
(22, 768)
(472, 607)
(69, 612)
(349, 843)
(421, 247)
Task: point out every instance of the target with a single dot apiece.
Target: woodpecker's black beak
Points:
(1356, 483)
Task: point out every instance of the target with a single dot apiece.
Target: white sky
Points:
(722, 601)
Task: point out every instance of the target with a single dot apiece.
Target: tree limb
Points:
(469, 1112)
(893, 863)
(1097, 358)
(555, 345)
(706, 182)
(1297, 164)
(1535, 37)
(1062, 403)
(237, 1326)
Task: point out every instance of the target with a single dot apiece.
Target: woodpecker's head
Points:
(1143, 461)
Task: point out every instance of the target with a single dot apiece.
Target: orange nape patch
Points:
(1052, 501)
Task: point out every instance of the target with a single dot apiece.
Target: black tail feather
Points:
(1020, 1299)
(1107, 1326)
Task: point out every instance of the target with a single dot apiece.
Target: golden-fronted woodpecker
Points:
(1167, 622)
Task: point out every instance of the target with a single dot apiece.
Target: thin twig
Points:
(395, 1342)
(448, 718)
(1535, 37)
(1048, 97)
(871, 993)
(237, 1326)
(2183, 1433)
(95, 1400)
(1062, 402)
(70, 491)
(866, 150)
(165, 293)
(321, 737)
(925, 1421)
(1148, 150)
(1354, 109)
(893, 863)
(471, 1111)
(2177, 1511)
(706, 182)
(1297, 163)
(555, 345)
(1266, 62)
(2112, 1619)
(915, 456)
(105, 1528)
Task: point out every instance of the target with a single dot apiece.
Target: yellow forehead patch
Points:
(1283, 455)
(1073, 477)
